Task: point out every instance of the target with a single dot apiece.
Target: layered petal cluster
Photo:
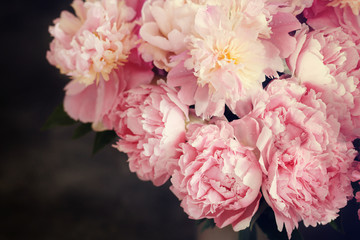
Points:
(218, 177)
(227, 61)
(150, 120)
(306, 165)
(229, 46)
(91, 103)
(96, 47)
(89, 45)
(327, 60)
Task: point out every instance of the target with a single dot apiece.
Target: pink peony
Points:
(226, 57)
(231, 48)
(90, 103)
(218, 177)
(222, 43)
(335, 57)
(96, 41)
(150, 120)
(306, 166)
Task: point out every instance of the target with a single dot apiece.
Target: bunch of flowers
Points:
(236, 102)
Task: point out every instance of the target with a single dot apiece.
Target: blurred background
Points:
(52, 187)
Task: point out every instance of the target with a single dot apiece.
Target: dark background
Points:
(52, 187)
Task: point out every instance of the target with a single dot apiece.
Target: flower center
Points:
(229, 55)
(113, 56)
(228, 52)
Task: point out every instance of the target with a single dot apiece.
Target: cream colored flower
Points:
(226, 54)
(97, 39)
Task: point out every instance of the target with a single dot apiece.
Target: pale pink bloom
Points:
(326, 60)
(306, 165)
(150, 120)
(254, 20)
(228, 45)
(218, 177)
(91, 103)
(228, 62)
(230, 50)
(322, 15)
(165, 25)
(94, 41)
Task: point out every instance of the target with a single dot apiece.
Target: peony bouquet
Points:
(248, 107)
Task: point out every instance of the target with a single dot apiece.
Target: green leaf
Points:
(102, 139)
(58, 118)
(82, 130)
(207, 223)
(247, 234)
(337, 225)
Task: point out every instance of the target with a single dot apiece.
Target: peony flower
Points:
(228, 62)
(222, 43)
(218, 177)
(96, 48)
(231, 48)
(306, 164)
(89, 46)
(150, 120)
(326, 60)
(91, 103)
